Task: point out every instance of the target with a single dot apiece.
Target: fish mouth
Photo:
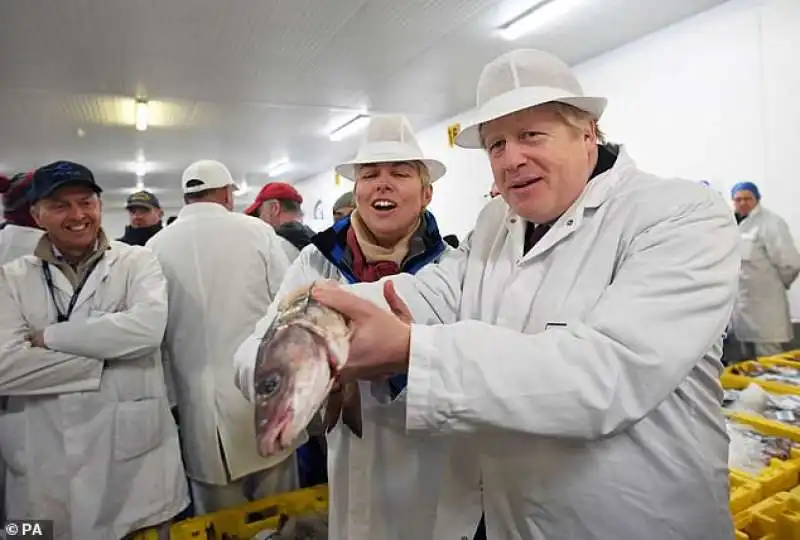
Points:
(277, 435)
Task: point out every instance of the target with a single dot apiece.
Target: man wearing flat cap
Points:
(145, 213)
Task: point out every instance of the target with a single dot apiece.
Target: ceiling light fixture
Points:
(139, 184)
(279, 167)
(140, 168)
(349, 128)
(141, 115)
(538, 15)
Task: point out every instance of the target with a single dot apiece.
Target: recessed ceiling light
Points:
(279, 167)
(141, 115)
(537, 16)
(349, 128)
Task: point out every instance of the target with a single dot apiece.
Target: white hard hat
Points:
(520, 79)
(206, 174)
(390, 139)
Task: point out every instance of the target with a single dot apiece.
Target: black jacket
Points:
(295, 233)
(139, 236)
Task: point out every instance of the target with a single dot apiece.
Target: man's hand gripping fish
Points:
(298, 361)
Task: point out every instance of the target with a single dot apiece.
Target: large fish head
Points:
(292, 378)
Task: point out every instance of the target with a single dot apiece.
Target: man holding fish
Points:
(384, 483)
(570, 349)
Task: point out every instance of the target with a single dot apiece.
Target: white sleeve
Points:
(433, 294)
(299, 274)
(668, 304)
(275, 259)
(781, 250)
(32, 371)
(124, 335)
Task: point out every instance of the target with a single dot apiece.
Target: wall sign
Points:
(452, 132)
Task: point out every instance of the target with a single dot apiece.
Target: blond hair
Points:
(572, 117)
(575, 118)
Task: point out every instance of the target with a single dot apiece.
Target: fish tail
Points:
(351, 412)
(333, 409)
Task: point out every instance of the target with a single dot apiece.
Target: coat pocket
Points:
(12, 441)
(747, 248)
(138, 427)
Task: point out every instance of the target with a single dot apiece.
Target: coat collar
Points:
(202, 209)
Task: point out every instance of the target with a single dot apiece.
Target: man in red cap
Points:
(279, 204)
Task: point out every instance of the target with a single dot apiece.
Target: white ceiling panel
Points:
(253, 81)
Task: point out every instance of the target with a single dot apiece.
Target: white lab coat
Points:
(223, 270)
(385, 485)
(88, 436)
(288, 248)
(16, 241)
(770, 264)
(581, 379)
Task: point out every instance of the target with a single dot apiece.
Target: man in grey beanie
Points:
(343, 206)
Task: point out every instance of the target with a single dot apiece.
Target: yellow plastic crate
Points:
(766, 426)
(745, 492)
(777, 517)
(789, 356)
(246, 521)
(733, 381)
(779, 475)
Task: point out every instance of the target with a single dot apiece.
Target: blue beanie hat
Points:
(749, 186)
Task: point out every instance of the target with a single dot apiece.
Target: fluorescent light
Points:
(139, 184)
(279, 167)
(140, 168)
(141, 115)
(349, 128)
(535, 17)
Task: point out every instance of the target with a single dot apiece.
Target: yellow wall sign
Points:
(338, 179)
(452, 133)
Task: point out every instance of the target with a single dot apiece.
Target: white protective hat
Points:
(521, 79)
(390, 139)
(206, 174)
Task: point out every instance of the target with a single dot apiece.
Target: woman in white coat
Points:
(386, 484)
(572, 344)
(770, 264)
(19, 233)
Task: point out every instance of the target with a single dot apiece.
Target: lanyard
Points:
(48, 277)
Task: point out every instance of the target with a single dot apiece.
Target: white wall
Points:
(712, 98)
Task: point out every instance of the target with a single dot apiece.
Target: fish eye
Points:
(269, 385)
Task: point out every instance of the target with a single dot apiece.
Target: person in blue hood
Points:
(385, 484)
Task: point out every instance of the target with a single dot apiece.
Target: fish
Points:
(297, 365)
